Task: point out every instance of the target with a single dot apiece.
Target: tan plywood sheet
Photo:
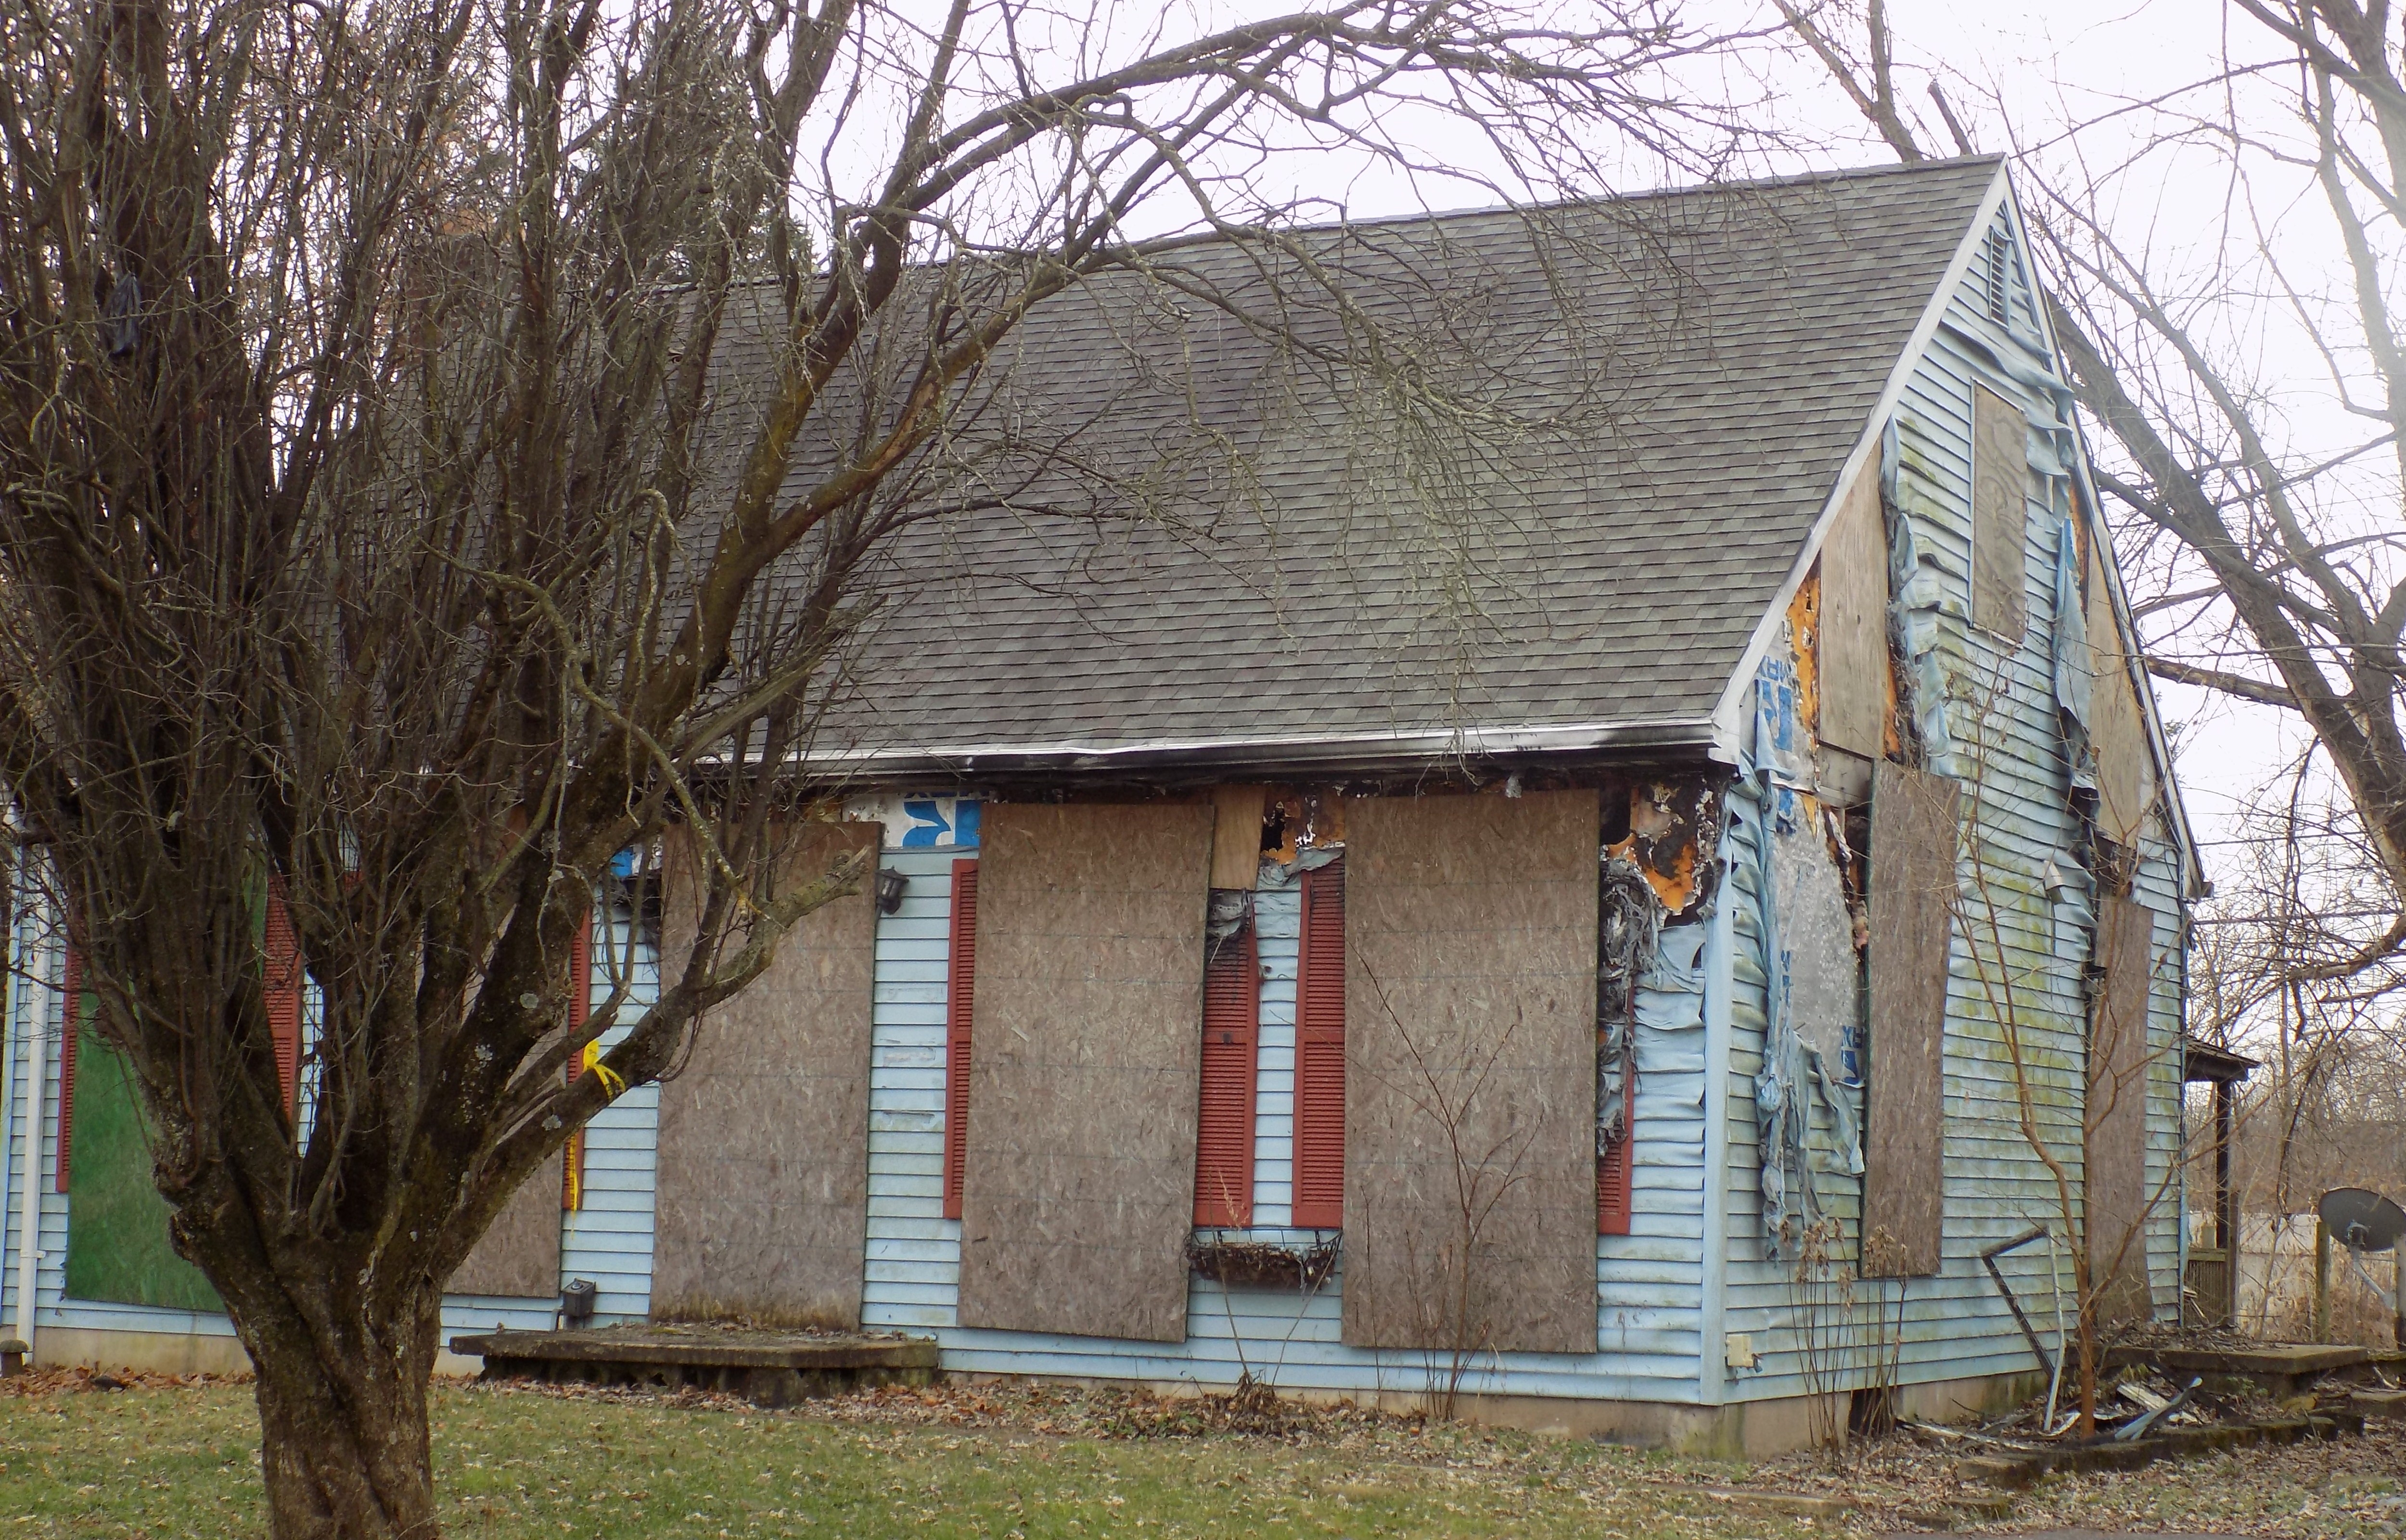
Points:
(2124, 766)
(2000, 514)
(1237, 835)
(1470, 1201)
(1915, 819)
(1079, 1192)
(763, 1184)
(2116, 1121)
(518, 1257)
(1854, 622)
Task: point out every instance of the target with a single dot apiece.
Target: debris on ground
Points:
(84, 1379)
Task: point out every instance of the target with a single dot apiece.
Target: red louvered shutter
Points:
(1613, 1171)
(1320, 1053)
(71, 987)
(958, 995)
(280, 956)
(580, 1008)
(1232, 1018)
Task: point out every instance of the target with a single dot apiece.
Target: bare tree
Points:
(398, 516)
(2274, 551)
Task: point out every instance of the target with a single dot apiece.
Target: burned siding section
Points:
(1991, 659)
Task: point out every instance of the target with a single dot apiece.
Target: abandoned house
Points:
(1592, 969)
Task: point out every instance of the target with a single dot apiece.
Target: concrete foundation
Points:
(174, 1353)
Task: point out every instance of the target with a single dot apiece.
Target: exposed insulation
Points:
(1079, 1191)
(2116, 1121)
(763, 1177)
(1470, 1198)
(1914, 820)
(2000, 514)
(1854, 669)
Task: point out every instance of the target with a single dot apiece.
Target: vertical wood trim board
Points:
(1319, 1201)
(763, 1186)
(960, 994)
(1079, 1192)
(1854, 623)
(1915, 818)
(2000, 515)
(1470, 1180)
(2116, 1121)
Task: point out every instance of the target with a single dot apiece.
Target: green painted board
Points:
(118, 1247)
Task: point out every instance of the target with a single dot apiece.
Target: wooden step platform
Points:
(2275, 1368)
(767, 1368)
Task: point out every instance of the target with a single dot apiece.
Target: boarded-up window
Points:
(2117, 728)
(1854, 623)
(1224, 1145)
(1913, 890)
(961, 992)
(2119, 1068)
(1470, 1183)
(2000, 515)
(1320, 1053)
(119, 1248)
(763, 1185)
(1078, 1195)
(517, 1257)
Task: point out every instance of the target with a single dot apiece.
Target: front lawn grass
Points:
(515, 1463)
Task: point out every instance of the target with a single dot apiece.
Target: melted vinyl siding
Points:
(1650, 1281)
(2009, 753)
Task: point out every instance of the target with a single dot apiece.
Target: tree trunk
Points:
(343, 1422)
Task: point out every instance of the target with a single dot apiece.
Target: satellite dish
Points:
(2361, 1220)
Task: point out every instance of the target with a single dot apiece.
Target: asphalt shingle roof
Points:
(1593, 442)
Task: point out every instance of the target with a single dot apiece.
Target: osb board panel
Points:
(1079, 1191)
(1470, 1203)
(1237, 836)
(763, 1183)
(2116, 1121)
(518, 1257)
(2125, 778)
(2000, 514)
(1854, 622)
(1914, 820)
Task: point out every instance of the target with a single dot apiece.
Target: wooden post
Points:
(2226, 1205)
(2322, 1281)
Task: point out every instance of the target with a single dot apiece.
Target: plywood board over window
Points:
(518, 1256)
(1853, 665)
(1915, 817)
(2117, 729)
(2120, 1066)
(1470, 1195)
(763, 1186)
(1078, 1187)
(2000, 515)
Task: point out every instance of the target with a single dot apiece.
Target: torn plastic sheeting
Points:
(2074, 681)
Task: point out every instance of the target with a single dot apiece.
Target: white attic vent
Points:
(1996, 273)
